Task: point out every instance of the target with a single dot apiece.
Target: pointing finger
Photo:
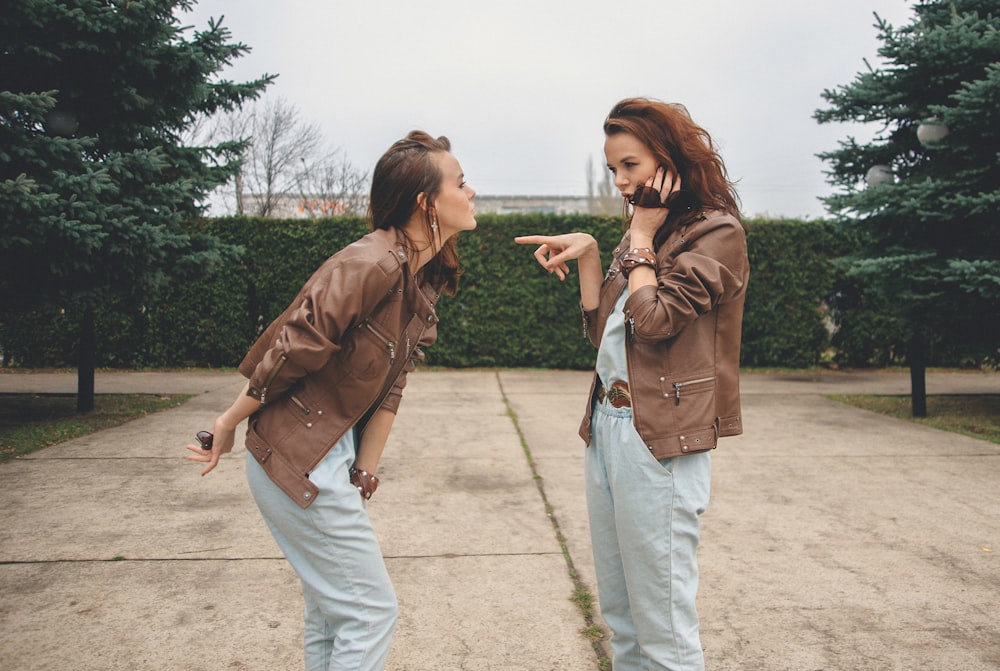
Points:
(530, 239)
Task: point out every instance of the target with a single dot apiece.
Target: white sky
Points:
(521, 87)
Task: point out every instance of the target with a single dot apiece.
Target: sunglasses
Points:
(205, 439)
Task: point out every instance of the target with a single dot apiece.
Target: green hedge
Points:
(508, 311)
(787, 316)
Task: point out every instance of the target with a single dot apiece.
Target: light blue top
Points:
(611, 364)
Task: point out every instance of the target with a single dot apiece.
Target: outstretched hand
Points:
(555, 251)
(222, 442)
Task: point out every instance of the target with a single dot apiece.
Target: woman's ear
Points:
(422, 201)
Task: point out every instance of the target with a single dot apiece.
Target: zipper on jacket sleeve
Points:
(391, 346)
(270, 378)
(679, 385)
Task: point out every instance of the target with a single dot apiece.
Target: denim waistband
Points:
(605, 408)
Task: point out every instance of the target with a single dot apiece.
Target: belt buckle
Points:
(617, 396)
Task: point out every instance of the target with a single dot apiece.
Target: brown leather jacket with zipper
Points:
(340, 351)
(683, 336)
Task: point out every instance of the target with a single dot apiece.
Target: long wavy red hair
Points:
(681, 145)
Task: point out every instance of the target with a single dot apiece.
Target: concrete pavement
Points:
(837, 540)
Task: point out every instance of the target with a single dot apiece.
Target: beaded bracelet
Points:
(637, 256)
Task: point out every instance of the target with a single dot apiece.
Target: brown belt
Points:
(618, 396)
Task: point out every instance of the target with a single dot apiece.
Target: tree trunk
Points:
(86, 359)
(918, 375)
(239, 193)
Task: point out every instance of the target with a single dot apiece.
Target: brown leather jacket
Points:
(339, 351)
(682, 337)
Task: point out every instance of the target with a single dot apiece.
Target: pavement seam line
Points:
(130, 560)
(122, 558)
(582, 596)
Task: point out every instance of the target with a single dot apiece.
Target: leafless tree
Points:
(602, 196)
(288, 169)
(330, 185)
(279, 143)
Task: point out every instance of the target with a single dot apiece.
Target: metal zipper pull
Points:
(391, 346)
(270, 378)
(302, 406)
(678, 385)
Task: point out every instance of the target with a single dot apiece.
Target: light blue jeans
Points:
(644, 530)
(350, 605)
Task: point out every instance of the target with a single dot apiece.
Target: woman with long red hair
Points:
(666, 320)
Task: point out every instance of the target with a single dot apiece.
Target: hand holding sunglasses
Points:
(649, 195)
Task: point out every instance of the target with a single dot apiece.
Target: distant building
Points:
(529, 204)
(287, 206)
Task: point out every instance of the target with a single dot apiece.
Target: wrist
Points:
(637, 257)
(366, 482)
(640, 240)
(590, 248)
(226, 422)
(363, 465)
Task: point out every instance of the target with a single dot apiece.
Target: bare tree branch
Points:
(288, 170)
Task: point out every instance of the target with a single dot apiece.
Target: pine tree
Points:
(923, 196)
(95, 181)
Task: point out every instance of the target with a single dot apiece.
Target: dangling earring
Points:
(434, 222)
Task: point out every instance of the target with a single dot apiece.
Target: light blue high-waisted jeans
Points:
(350, 605)
(644, 530)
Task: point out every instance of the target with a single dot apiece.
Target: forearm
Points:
(373, 440)
(242, 407)
(642, 275)
(591, 277)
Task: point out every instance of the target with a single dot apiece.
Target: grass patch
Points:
(974, 415)
(29, 422)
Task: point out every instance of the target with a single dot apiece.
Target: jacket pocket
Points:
(686, 389)
(386, 341)
(301, 408)
(369, 353)
(691, 400)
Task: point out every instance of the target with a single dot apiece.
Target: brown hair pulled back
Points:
(681, 145)
(404, 171)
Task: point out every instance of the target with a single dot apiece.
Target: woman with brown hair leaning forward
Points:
(324, 382)
(666, 321)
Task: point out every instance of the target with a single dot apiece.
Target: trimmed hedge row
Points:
(508, 311)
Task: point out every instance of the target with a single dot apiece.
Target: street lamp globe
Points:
(878, 174)
(931, 131)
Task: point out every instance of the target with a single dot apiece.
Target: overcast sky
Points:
(521, 87)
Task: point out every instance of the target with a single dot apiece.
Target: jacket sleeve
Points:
(339, 295)
(711, 269)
